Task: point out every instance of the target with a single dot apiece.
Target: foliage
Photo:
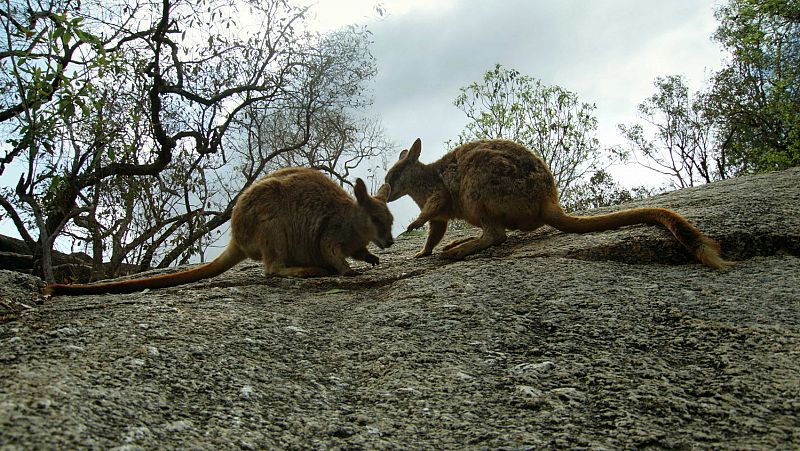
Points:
(601, 191)
(125, 120)
(677, 139)
(459, 224)
(47, 57)
(341, 140)
(549, 120)
(756, 98)
(748, 120)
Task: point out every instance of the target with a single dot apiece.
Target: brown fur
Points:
(498, 185)
(297, 221)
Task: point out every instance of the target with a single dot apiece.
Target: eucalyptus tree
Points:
(755, 97)
(677, 137)
(747, 120)
(551, 121)
(122, 118)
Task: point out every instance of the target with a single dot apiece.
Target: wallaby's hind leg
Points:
(303, 271)
(271, 268)
(436, 230)
(491, 236)
(275, 263)
(338, 261)
(458, 241)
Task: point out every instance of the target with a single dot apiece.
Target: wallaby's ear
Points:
(361, 192)
(384, 192)
(412, 153)
(415, 149)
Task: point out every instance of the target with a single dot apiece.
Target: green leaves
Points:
(748, 120)
(549, 120)
(675, 138)
(755, 97)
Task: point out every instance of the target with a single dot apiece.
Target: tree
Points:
(342, 139)
(601, 191)
(677, 139)
(126, 132)
(748, 121)
(549, 120)
(755, 97)
(45, 83)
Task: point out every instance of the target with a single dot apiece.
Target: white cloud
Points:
(332, 14)
(608, 52)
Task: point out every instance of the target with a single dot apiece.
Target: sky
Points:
(608, 52)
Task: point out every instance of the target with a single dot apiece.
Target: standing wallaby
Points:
(498, 185)
(297, 221)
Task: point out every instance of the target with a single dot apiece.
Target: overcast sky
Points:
(609, 52)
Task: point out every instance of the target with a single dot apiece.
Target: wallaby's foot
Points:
(463, 247)
(304, 271)
(455, 243)
(422, 253)
(339, 265)
(366, 256)
(457, 253)
(419, 222)
(372, 259)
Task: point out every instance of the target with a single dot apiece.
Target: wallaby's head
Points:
(380, 219)
(406, 172)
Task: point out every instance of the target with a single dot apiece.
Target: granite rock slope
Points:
(606, 340)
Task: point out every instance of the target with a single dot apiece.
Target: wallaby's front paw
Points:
(422, 253)
(372, 259)
(350, 272)
(415, 225)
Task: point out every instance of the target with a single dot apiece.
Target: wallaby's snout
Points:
(385, 242)
(377, 212)
(405, 174)
(395, 195)
(384, 236)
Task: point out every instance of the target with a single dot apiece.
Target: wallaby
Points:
(497, 185)
(295, 220)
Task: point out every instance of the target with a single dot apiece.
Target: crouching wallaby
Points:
(295, 220)
(498, 185)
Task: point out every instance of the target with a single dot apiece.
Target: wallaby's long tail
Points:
(704, 248)
(229, 257)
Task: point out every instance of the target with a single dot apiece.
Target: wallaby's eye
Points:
(394, 174)
(381, 223)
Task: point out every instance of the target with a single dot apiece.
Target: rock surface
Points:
(605, 340)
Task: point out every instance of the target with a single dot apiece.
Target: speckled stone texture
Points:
(606, 340)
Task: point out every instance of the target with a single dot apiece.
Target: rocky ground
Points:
(605, 340)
